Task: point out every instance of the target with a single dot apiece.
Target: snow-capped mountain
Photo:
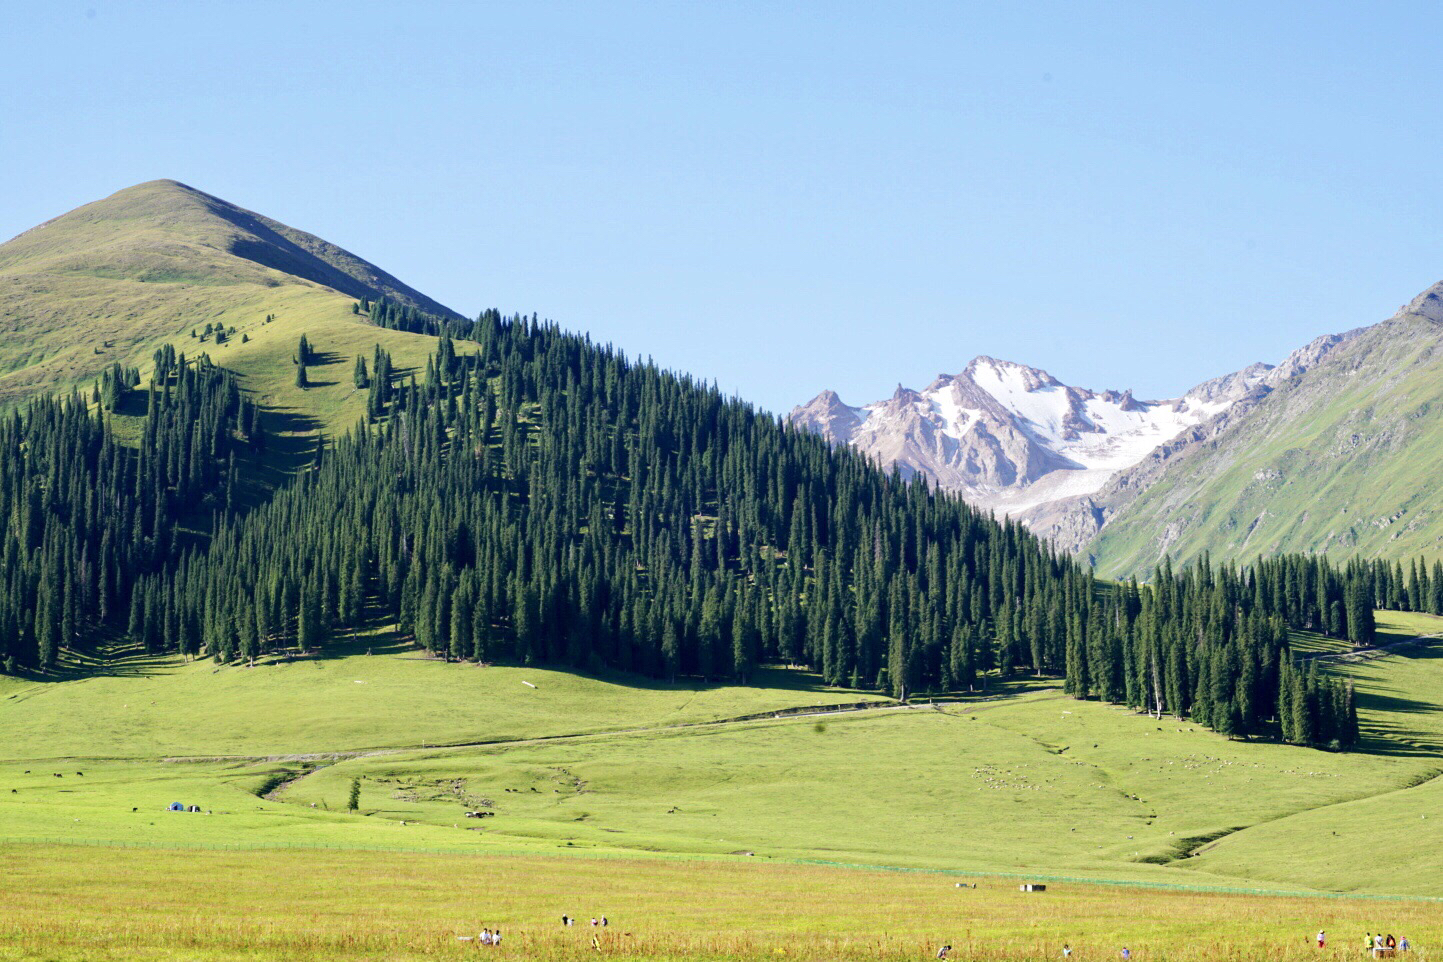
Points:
(1011, 437)
(1064, 460)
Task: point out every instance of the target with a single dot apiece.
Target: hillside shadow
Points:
(372, 639)
(134, 403)
(290, 446)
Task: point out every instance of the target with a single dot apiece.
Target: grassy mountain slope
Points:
(1389, 840)
(115, 279)
(1339, 459)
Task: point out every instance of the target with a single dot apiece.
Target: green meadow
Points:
(1020, 780)
(700, 829)
(162, 706)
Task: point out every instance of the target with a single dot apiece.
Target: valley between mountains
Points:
(409, 605)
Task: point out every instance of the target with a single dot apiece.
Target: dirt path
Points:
(1369, 654)
(276, 791)
(781, 714)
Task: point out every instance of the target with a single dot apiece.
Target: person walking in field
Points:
(1322, 938)
(1066, 951)
(942, 952)
(1126, 953)
(1403, 943)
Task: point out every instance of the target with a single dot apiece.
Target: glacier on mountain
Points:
(1015, 440)
(1011, 437)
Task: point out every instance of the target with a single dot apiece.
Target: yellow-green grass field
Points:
(1033, 784)
(1389, 841)
(70, 903)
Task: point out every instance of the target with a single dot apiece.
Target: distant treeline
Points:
(537, 498)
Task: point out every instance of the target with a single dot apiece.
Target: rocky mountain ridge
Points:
(1016, 440)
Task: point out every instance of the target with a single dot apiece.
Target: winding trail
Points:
(783, 714)
(1358, 655)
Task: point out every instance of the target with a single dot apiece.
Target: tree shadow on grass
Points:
(121, 660)
(290, 448)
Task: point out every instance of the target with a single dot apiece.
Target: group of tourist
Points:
(1376, 944)
(1379, 944)
(487, 937)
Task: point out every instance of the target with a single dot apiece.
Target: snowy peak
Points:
(1011, 437)
(990, 369)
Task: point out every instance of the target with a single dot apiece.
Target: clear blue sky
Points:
(789, 197)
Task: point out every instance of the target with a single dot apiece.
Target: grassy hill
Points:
(1340, 460)
(115, 279)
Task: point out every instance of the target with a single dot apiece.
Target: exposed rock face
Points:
(1014, 439)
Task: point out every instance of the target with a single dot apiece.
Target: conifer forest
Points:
(534, 498)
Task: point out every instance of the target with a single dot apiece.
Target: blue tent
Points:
(177, 807)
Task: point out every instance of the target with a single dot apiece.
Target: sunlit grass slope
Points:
(150, 707)
(1037, 783)
(113, 280)
(1392, 841)
(1341, 459)
(1030, 782)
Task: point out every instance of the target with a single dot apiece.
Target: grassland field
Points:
(65, 905)
(712, 834)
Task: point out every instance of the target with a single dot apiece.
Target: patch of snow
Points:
(955, 418)
(1044, 408)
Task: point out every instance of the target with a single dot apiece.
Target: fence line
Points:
(623, 856)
